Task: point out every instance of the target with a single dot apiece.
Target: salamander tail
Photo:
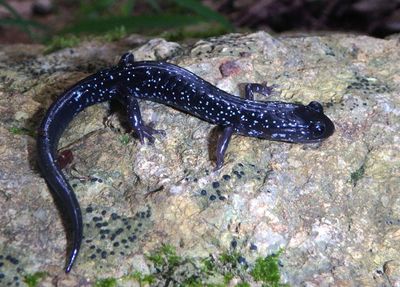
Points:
(72, 257)
(63, 195)
(49, 134)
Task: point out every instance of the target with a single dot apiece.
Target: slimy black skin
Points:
(176, 87)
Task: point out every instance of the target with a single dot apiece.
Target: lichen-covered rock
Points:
(331, 210)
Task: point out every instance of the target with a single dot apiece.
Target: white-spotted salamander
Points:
(176, 87)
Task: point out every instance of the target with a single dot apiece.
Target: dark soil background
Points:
(378, 18)
(374, 17)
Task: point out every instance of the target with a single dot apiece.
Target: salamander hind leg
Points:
(136, 122)
(222, 145)
(251, 88)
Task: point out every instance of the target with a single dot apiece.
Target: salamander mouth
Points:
(313, 133)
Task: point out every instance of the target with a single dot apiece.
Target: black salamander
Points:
(174, 86)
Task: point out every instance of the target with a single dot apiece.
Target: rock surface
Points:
(333, 209)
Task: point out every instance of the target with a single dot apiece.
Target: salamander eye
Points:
(317, 128)
(126, 59)
(316, 107)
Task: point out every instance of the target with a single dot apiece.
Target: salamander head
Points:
(304, 124)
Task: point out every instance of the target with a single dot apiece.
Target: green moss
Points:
(71, 40)
(22, 131)
(228, 277)
(61, 42)
(199, 284)
(266, 270)
(213, 271)
(203, 30)
(32, 280)
(124, 139)
(165, 256)
(107, 282)
(230, 258)
(192, 281)
(115, 34)
(357, 175)
(208, 265)
(143, 279)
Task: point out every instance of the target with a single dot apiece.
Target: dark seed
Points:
(241, 260)
(226, 177)
(233, 243)
(12, 259)
(95, 218)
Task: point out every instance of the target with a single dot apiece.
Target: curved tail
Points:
(54, 123)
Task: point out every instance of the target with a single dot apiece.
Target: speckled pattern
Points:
(109, 234)
(331, 207)
(174, 86)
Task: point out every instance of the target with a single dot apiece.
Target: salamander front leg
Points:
(252, 88)
(222, 145)
(135, 120)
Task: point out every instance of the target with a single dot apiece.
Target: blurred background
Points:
(63, 21)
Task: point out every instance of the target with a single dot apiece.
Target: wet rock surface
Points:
(333, 209)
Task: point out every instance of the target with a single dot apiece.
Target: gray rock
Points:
(334, 207)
